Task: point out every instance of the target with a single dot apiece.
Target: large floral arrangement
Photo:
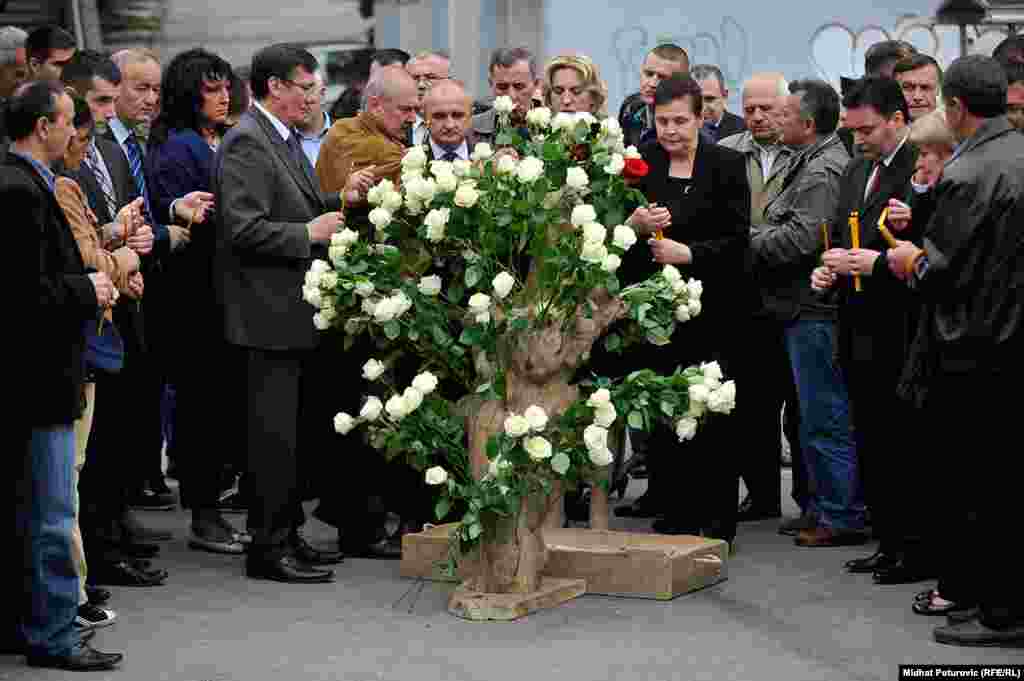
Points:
(465, 256)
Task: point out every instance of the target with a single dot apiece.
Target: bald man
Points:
(360, 151)
(448, 110)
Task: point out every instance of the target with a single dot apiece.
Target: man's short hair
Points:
(680, 85)
(1010, 50)
(672, 52)
(278, 61)
(83, 114)
(819, 102)
(707, 71)
(507, 57)
(884, 54)
(12, 39)
(427, 54)
(135, 55)
(46, 38)
(1014, 73)
(884, 95)
(932, 129)
(30, 102)
(391, 55)
(915, 62)
(979, 82)
(86, 65)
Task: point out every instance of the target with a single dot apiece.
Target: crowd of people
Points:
(862, 255)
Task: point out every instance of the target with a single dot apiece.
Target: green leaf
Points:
(560, 463)
(455, 292)
(473, 276)
(413, 334)
(484, 388)
(475, 530)
(492, 448)
(392, 330)
(444, 504)
(636, 420)
(668, 408)
(613, 343)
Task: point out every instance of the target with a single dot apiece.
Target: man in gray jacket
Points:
(512, 73)
(784, 249)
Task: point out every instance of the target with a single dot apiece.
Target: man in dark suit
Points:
(719, 123)
(39, 120)
(447, 111)
(636, 115)
(273, 221)
(873, 321)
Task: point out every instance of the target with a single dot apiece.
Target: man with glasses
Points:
(426, 68)
(718, 122)
(314, 126)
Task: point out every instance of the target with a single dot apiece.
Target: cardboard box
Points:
(612, 563)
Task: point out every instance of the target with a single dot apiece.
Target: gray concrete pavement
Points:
(785, 613)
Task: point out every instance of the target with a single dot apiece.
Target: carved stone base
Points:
(487, 607)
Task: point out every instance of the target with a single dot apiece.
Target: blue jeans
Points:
(826, 434)
(46, 514)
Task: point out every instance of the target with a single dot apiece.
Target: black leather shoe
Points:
(286, 569)
(123, 573)
(136, 532)
(82, 658)
(974, 633)
(879, 560)
(901, 572)
(305, 552)
(97, 595)
(385, 549)
(138, 549)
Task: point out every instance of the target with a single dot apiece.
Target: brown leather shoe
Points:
(826, 536)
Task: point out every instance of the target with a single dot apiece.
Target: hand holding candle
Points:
(855, 243)
(886, 234)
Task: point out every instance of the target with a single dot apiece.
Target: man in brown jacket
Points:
(358, 152)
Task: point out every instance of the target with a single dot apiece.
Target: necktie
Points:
(131, 145)
(450, 156)
(300, 156)
(874, 180)
(99, 171)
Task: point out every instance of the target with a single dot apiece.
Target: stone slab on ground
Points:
(477, 606)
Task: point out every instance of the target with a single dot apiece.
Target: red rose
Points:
(635, 169)
(580, 152)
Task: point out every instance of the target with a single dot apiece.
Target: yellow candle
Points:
(855, 242)
(824, 233)
(886, 234)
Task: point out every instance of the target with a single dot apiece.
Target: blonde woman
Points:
(572, 84)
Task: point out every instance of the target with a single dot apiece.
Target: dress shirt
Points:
(121, 134)
(283, 130)
(311, 143)
(767, 156)
(419, 131)
(44, 172)
(887, 161)
(462, 151)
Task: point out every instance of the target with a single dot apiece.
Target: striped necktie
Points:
(131, 145)
(99, 171)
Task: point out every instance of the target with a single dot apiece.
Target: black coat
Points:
(731, 124)
(54, 343)
(714, 221)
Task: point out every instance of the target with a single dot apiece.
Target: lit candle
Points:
(855, 242)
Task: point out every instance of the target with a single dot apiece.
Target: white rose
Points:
(696, 288)
(699, 395)
(632, 152)
(504, 104)
(538, 448)
(320, 266)
(466, 195)
(723, 400)
(495, 467)
(616, 165)
(320, 322)
(344, 238)
(595, 438)
(605, 415)
(563, 121)
(576, 178)
(530, 170)
(593, 252)
(337, 254)
(599, 397)
(584, 117)
(329, 280)
(623, 237)
(413, 399)
(601, 457)
(426, 190)
(415, 159)
(343, 423)
(482, 317)
(583, 214)
(385, 310)
(447, 182)
(679, 288)
(396, 408)
(594, 232)
(682, 314)
(312, 295)
(479, 302)
(364, 289)
(375, 194)
(671, 274)
(503, 284)
(539, 117)
(506, 165)
(372, 409)
(425, 382)
(436, 476)
(712, 370)
(380, 218)
(694, 306)
(369, 305)
(552, 199)
(436, 221)
(482, 151)
(392, 201)
(536, 417)
(438, 168)
(611, 127)
(401, 302)
(516, 425)
(313, 278)
(686, 428)
(461, 168)
(373, 369)
(430, 286)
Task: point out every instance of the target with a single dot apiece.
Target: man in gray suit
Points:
(512, 73)
(273, 222)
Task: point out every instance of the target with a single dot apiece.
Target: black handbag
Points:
(104, 347)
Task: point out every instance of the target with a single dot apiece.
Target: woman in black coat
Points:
(700, 200)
